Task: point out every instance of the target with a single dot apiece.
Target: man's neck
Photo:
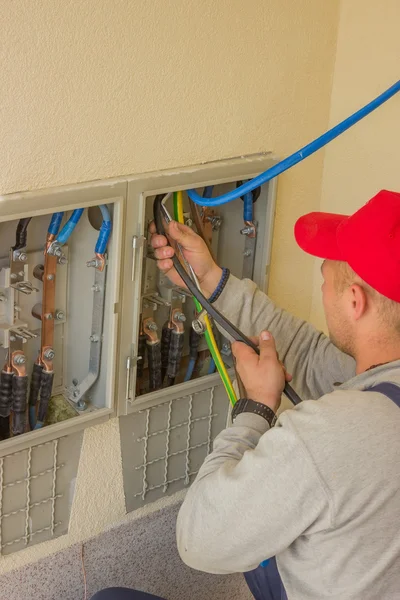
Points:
(373, 357)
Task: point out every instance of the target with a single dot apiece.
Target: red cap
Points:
(369, 241)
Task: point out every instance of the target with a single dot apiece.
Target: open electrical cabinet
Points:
(161, 312)
(59, 275)
(83, 306)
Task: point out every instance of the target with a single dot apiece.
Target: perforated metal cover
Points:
(166, 441)
(36, 492)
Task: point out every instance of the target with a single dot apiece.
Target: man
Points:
(320, 489)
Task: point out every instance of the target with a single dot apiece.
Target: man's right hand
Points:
(195, 252)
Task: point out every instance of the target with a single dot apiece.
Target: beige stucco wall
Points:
(366, 159)
(101, 88)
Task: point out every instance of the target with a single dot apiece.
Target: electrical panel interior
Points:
(56, 325)
(171, 349)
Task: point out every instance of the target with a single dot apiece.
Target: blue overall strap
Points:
(265, 583)
(390, 390)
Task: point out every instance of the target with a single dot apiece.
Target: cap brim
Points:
(316, 234)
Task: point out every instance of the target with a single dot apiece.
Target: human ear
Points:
(358, 301)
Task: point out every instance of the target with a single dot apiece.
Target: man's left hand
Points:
(263, 376)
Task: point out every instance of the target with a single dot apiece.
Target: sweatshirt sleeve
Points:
(255, 494)
(315, 363)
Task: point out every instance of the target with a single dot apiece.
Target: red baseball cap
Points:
(369, 241)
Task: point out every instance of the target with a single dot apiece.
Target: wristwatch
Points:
(245, 405)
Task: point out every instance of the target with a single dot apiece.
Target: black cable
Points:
(21, 233)
(19, 402)
(6, 382)
(154, 362)
(46, 388)
(165, 345)
(175, 354)
(226, 325)
(34, 390)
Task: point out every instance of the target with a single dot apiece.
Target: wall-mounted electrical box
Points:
(59, 287)
(156, 311)
(84, 311)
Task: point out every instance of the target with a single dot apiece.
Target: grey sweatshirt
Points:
(320, 491)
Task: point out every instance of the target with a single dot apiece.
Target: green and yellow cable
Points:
(208, 334)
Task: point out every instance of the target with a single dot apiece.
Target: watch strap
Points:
(246, 405)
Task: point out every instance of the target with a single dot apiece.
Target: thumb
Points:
(180, 233)
(267, 346)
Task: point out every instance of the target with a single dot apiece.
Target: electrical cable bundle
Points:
(202, 302)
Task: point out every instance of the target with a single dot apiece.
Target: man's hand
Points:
(263, 376)
(195, 252)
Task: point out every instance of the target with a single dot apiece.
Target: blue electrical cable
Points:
(248, 206)
(69, 226)
(298, 156)
(208, 190)
(105, 231)
(211, 366)
(55, 223)
(190, 369)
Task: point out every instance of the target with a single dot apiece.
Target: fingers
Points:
(162, 253)
(185, 236)
(242, 351)
(267, 347)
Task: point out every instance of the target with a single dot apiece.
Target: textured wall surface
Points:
(366, 159)
(98, 88)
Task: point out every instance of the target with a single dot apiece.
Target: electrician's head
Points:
(361, 270)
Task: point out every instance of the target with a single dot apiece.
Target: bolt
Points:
(189, 222)
(60, 315)
(152, 326)
(21, 256)
(180, 317)
(49, 354)
(95, 288)
(57, 250)
(92, 263)
(75, 393)
(225, 347)
(50, 277)
(246, 230)
(17, 308)
(81, 405)
(247, 253)
(13, 276)
(12, 338)
(94, 338)
(48, 316)
(20, 359)
(75, 382)
(62, 260)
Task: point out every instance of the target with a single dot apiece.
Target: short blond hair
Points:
(387, 309)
